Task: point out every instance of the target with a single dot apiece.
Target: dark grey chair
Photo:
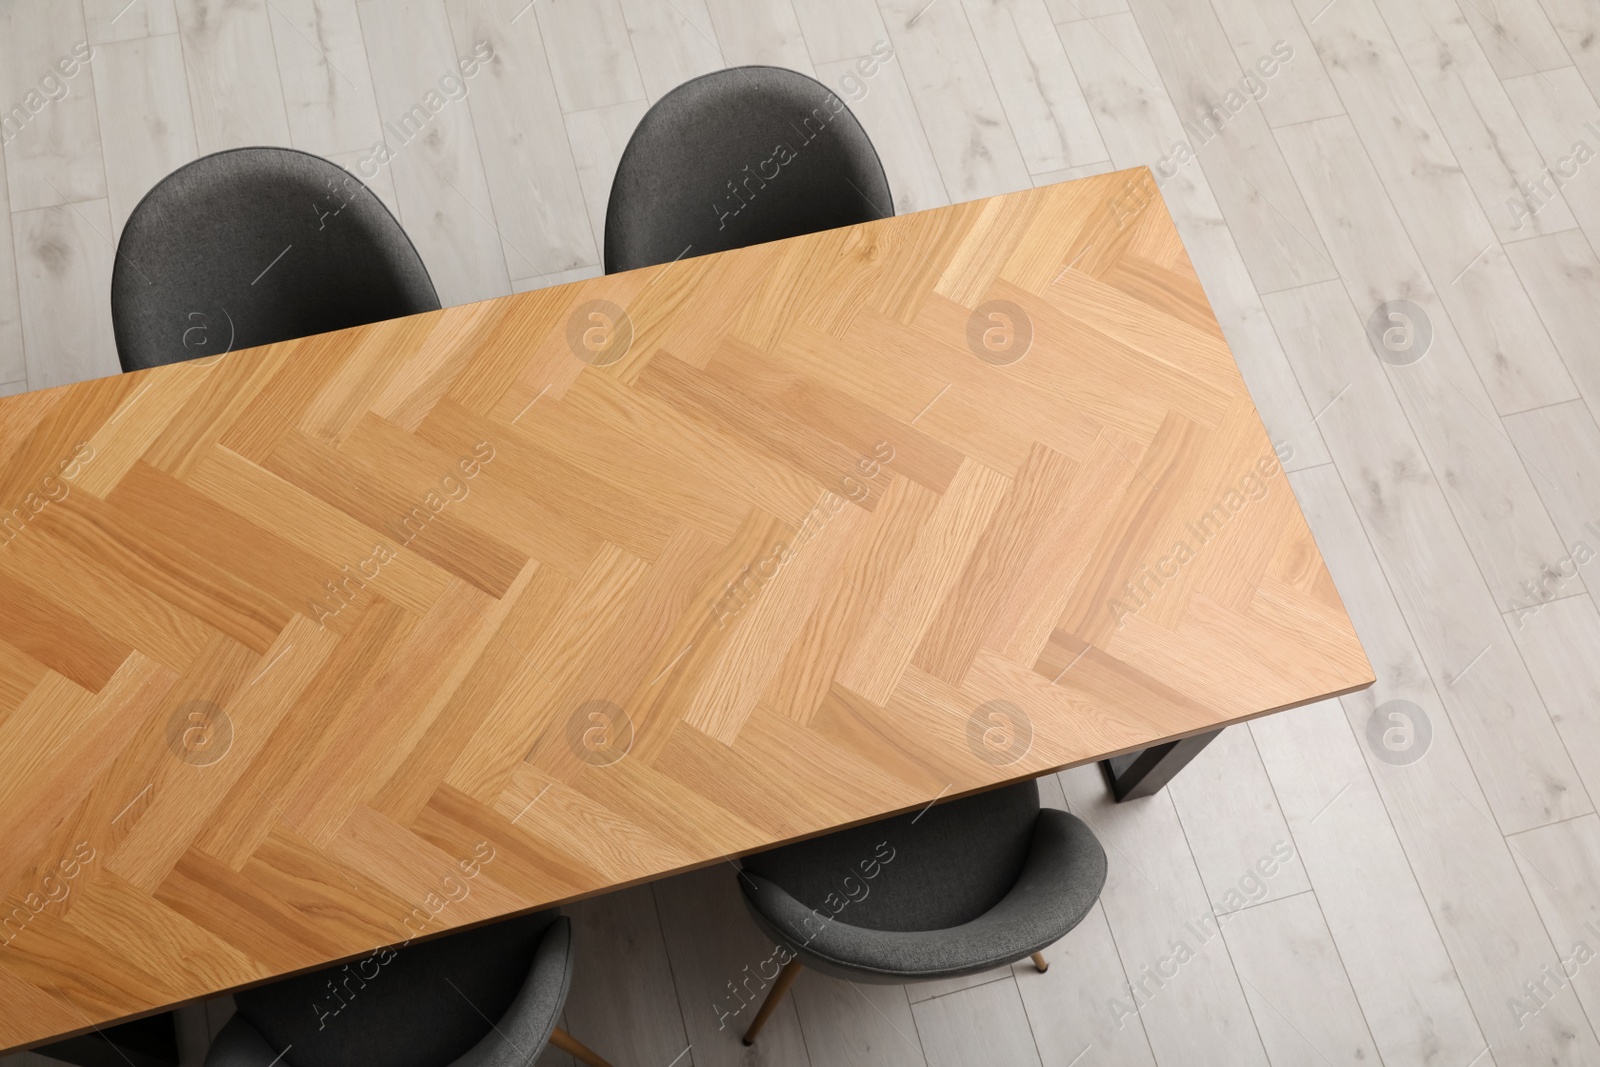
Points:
(738, 157)
(488, 997)
(252, 246)
(959, 888)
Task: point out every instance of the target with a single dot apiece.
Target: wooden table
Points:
(312, 648)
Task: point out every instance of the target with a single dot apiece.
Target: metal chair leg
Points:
(575, 1048)
(780, 986)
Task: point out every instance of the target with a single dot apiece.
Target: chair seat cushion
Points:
(924, 870)
(422, 1005)
(1058, 884)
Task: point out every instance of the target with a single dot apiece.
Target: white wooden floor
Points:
(1441, 911)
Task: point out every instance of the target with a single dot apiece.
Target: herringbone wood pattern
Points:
(294, 639)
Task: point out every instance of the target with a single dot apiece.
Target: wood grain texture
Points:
(380, 633)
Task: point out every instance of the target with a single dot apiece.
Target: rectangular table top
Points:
(316, 647)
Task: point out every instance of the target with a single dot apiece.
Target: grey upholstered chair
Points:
(487, 997)
(252, 246)
(956, 889)
(738, 157)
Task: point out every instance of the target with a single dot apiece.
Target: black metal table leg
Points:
(148, 1042)
(1143, 773)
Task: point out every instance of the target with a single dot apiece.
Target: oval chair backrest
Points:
(423, 1005)
(932, 869)
(739, 157)
(257, 245)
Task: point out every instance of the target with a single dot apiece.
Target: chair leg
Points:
(1039, 962)
(575, 1048)
(780, 986)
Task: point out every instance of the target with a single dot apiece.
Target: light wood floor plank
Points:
(1140, 126)
(1558, 641)
(1071, 1007)
(523, 285)
(622, 1003)
(856, 1024)
(1234, 830)
(1563, 441)
(672, 43)
(883, 104)
(1088, 170)
(598, 137)
(984, 1024)
(1182, 979)
(1435, 204)
(1562, 274)
(1577, 23)
(234, 87)
(1261, 31)
(1229, 135)
(64, 258)
(1036, 84)
(761, 32)
(126, 20)
(437, 171)
(143, 99)
(591, 56)
(1471, 106)
(712, 942)
(1074, 10)
(965, 122)
(1444, 403)
(1515, 34)
(1561, 114)
(1376, 914)
(327, 88)
(1296, 984)
(527, 160)
(839, 29)
(49, 128)
(1478, 900)
(920, 991)
(1562, 866)
(1514, 748)
(13, 367)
